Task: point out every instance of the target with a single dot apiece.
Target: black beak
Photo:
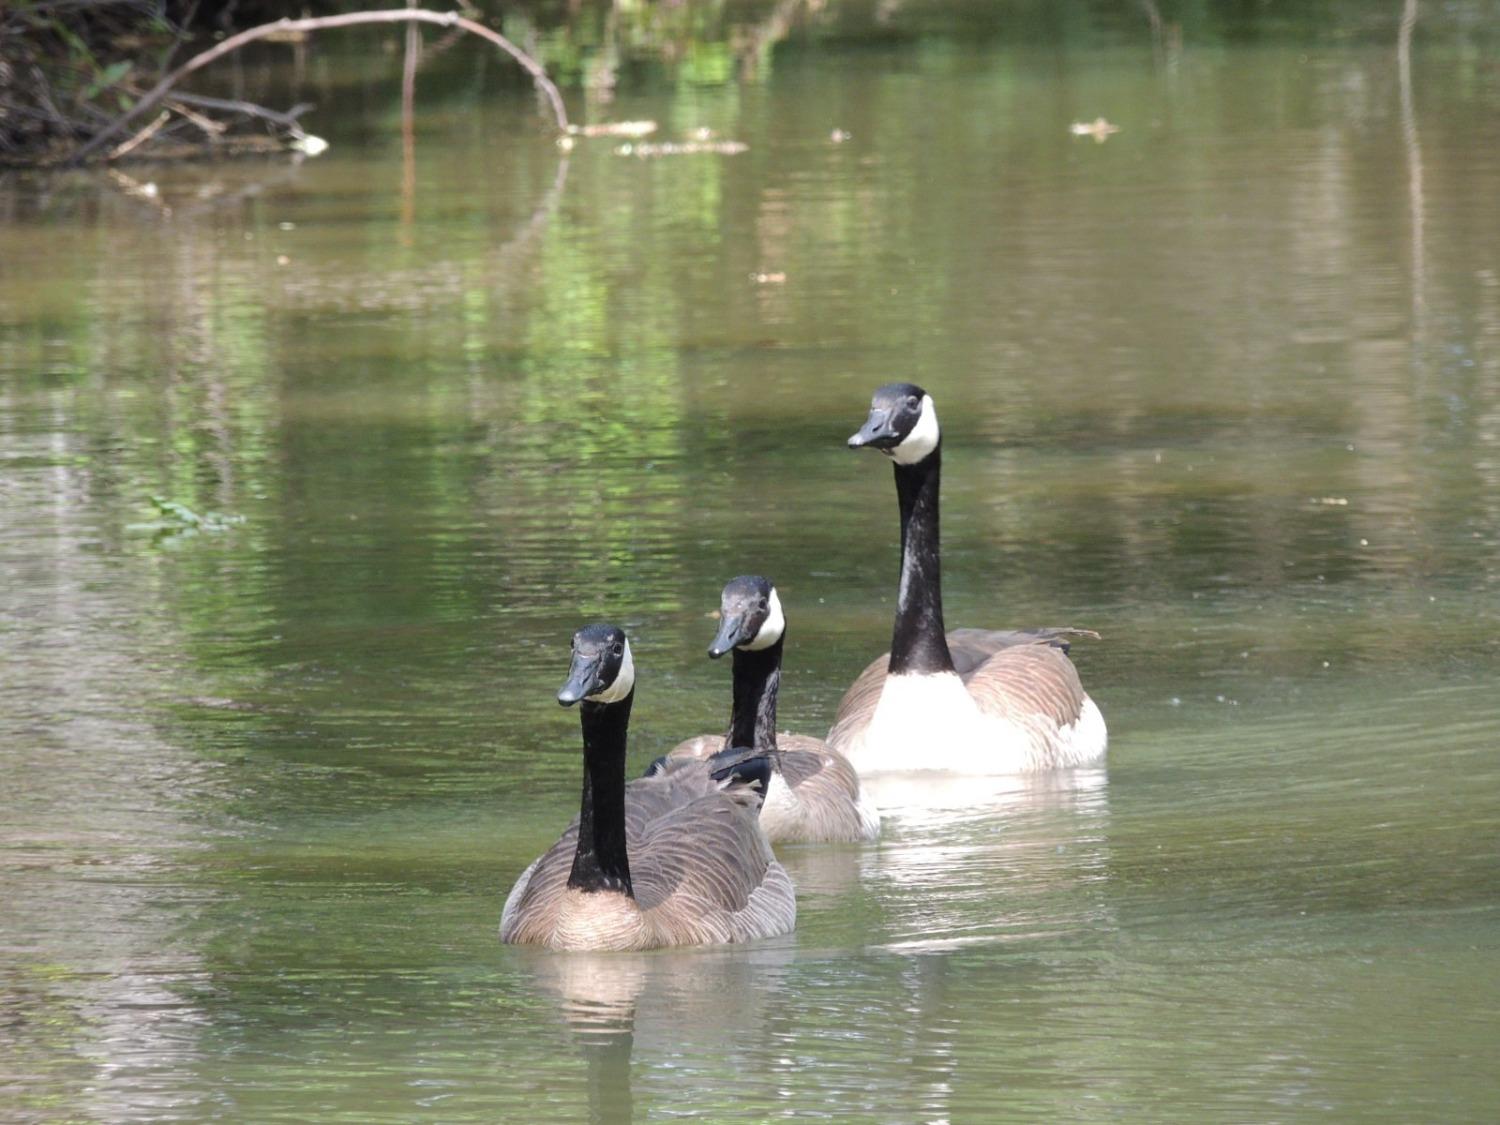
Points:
(583, 679)
(876, 431)
(734, 630)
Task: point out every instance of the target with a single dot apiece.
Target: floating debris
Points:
(1332, 501)
(614, 129)
(776, 278)
(684, 148)
(702, 133)
(839, 136)
(309, 145)
(1100, 129)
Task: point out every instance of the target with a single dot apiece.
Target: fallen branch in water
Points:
(287, 27)
(140, 138)
(287, 119)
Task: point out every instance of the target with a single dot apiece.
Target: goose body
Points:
(678, 858)
(814, 795)
(969, 701)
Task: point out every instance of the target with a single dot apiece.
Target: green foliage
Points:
(114, 73)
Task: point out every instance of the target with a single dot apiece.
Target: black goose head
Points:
(902, 424)
(602, 670)
(750, 616)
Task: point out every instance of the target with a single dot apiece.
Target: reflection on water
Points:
(1223, 387)
(649, 1005)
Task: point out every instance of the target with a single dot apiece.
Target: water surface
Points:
(1223, 387)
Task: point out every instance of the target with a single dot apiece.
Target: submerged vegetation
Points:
(177, 519)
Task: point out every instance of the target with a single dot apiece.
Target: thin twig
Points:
(207, 124)
(320, 23)
(285, 118)
(141, 137)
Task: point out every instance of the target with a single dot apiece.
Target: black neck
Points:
(600, 863)
(757, 678)
(917, 643)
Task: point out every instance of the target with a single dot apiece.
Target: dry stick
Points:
(179, 103)
(207, 124)
(287, 118)
(320, 23)
(140, 137)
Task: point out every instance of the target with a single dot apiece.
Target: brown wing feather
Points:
(659, 793)
(822, 803)
(858, 704)
(710, 850)
(826, 787)
(972, 647)
(531, 911)
(801, 756)
(704, 871)
(1034, 685)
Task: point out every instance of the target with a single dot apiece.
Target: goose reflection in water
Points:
(674, 1005)
(974, 860)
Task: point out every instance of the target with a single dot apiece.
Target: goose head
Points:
(903, 424)
(602, 670)
(750, 616)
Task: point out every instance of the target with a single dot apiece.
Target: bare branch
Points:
(320, 23)
(285, 118)
(141, 137)
(207, 124)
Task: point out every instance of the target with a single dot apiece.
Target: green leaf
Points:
(110, 75)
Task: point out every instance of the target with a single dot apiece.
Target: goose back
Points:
(815, 794)
(701, 869)
(823, 800)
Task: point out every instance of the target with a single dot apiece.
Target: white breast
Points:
(920, 723)
(1084, 742)
(931, 722)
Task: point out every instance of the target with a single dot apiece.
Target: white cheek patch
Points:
(623, 684)
(770, 632)
(923, 438)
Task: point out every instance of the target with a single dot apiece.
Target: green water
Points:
(1225, 387)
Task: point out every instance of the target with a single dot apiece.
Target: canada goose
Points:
(814, 794)
(972, 701)
(677, 859)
